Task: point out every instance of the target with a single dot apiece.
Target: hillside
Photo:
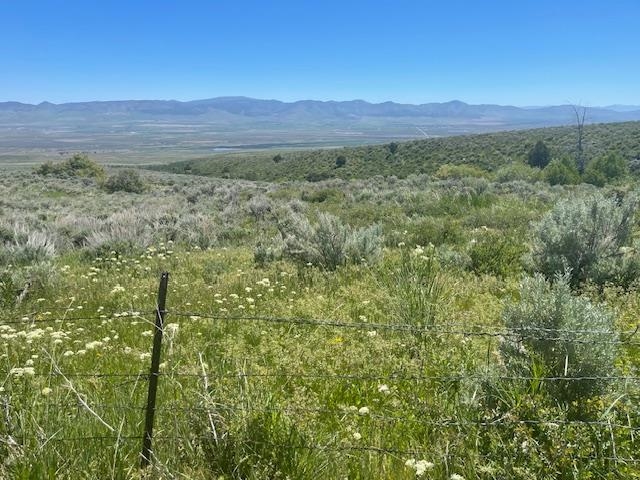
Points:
(487, 151)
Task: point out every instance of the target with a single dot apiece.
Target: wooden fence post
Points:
(155, 370)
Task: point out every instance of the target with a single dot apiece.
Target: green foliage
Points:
(322, 195)
(246, 451)
(329, 243)
(126, 180)
(539, 156)
(488, 152)
(278, 383)
(79, 165)
(318, 176)
(341, 161)
(562, 171)
(565, 335)
(606, 169)
(18, 285)
(448, 171)
(517, 171)
(417, 287)
(588, 237)
(435, 231)
(496, 254)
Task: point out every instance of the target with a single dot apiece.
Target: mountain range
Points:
(168, 130)
(221, 108)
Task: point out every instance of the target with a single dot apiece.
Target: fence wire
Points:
(418, 416)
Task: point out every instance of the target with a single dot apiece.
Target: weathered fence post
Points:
(155, 369)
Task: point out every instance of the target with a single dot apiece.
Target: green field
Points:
(408, 318)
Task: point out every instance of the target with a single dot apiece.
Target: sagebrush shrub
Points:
(565, 335)
(589, 238)
(28, 247)
(329, 243)
(127, 180)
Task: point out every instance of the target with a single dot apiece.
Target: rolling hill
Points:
(486, 151)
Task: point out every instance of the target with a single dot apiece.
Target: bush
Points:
(494, 253)
(557, 334)
(449, 171)
(258, 207)
(321, 195)
(79, 165)
(539, 155)
(562, 172)
(329, 244)
(437, 231)
(518, 172)
(606, 169)
(28, 247)
(18, 284)
(125, 181)
(589, 238)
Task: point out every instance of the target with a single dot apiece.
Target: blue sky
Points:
(486, 51)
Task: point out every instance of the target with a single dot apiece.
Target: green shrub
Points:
(449, 171)
(559, 335)
(79, 165)
(539, 155)
(125, 181)
(517, 171)
(589, 238)
(496, 254)
(322, 195)
(562, 172)
(606, 169)
(18, 284)
(329, 243)
(28, 247)
(437, 231)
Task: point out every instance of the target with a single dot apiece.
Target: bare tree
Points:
(581, 115)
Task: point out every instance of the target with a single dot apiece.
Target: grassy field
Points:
(359, 328)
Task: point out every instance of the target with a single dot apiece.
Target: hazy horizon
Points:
(98, 100)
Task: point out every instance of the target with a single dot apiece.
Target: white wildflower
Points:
(384, 389)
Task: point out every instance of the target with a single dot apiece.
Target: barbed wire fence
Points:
(154, 375)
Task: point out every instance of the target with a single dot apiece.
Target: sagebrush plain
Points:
(430, 309)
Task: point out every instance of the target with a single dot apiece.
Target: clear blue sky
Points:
(529, 52)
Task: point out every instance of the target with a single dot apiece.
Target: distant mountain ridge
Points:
(173, 130)
(250, 108)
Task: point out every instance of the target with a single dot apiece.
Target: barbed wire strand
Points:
(412, 328)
